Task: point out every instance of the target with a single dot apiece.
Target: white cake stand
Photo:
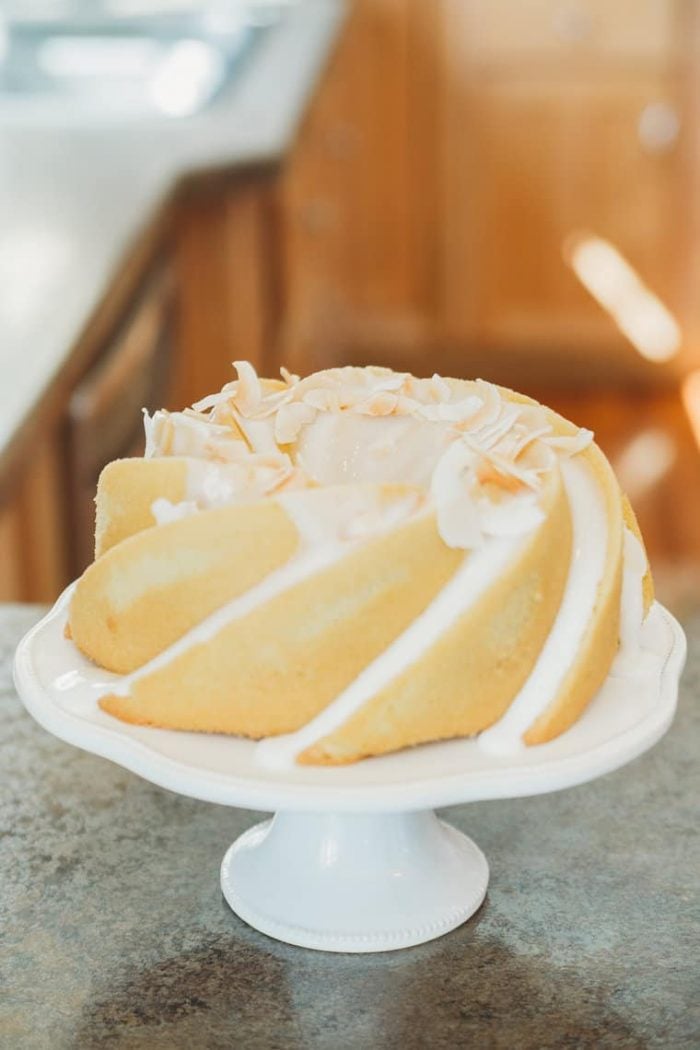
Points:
(355, 859)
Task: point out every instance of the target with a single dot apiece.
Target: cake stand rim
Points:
(275, 794)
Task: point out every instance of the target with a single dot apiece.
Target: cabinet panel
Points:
(528, 164)
(360, 192)
(228, 262)
(34, 563)
(12, 588)
(44, 526)
(453, 150)
(504, 33)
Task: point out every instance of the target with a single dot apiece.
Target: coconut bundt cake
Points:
(359, 561)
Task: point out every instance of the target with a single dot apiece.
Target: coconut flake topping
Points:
(486, 481)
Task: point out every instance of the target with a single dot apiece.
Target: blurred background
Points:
(495, 188)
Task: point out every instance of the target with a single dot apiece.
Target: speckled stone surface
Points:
(114, 933)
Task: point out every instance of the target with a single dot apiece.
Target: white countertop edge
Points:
(74, 243)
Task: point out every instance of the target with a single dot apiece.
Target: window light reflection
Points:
(32, 268)
(645, 460)
(186, 77)
(614, 283)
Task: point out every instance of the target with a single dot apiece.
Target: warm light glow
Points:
(636, 310)
(644, 461)
(690, 392)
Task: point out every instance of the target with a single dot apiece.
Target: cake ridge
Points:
(488, 472)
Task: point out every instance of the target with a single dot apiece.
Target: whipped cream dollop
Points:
(481, 458)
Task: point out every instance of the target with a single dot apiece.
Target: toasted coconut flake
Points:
(167, 435)
(323, 399)
(571, 444)
(211, 401)
(290, 419)
(149, 427)
(513, 444)
(440, 387)
(383, 403)
(390, 382)
(488, 474)
(271, 404)
(491, 431)
(290, 378)
(249, 390)
(458, 412)
(486, 481)
(450, 487)
(477, 495)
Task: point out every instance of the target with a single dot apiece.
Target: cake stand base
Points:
(355, 860)
(345, 882)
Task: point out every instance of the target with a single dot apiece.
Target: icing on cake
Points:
(407, 559)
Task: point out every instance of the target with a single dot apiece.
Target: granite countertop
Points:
(74, 198)
(114, 933)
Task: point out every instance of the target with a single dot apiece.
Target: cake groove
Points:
(363, 560)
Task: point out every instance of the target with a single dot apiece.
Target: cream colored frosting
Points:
(479, 461)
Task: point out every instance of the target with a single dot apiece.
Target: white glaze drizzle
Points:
(558, 655)
(630, 658)
(632, 609)
(496, 431)
(479, 570)
(209, 484)
(589, 541)
(164, 511)
(324, 540)
(275, 583)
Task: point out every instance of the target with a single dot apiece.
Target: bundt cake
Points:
(358, 561)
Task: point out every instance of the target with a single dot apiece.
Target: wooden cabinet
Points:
(551, 137)
(34, 559)
(530, 165)
(454, 152)
(564, 33)
(228, 273)
(203, 290)
(359, 194)
(47, 517)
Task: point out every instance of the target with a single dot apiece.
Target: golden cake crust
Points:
(280, 662)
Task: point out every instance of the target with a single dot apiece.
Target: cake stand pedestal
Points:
(355, 860)
(354, 882)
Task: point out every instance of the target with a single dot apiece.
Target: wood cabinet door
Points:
(359, 195)
(227, 262)
(532, 164)
(34, 564)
